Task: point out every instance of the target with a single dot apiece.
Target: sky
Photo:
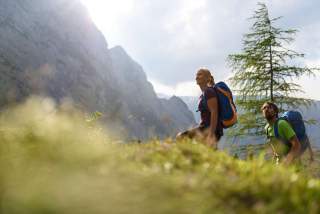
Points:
(171, 39)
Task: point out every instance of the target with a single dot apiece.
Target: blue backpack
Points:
(227, 108)
(294, 118)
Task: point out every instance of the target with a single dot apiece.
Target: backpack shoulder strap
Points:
(276, 132)
(276, 128)
(215, 89)
(267, 131)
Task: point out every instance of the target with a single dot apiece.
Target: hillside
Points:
(57, 163)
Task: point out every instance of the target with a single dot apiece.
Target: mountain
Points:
(52, 48)
(192, 103)
(308, 113)
(173, 114)
(141, 102)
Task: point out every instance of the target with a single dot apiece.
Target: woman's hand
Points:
(211, 141)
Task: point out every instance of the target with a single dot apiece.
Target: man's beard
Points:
(269, 117)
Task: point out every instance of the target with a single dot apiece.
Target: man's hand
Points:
(311, 159)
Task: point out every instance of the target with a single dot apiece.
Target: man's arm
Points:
(294, 151)
(310, 149)
(287, 133)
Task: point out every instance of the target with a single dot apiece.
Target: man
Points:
(287, 144)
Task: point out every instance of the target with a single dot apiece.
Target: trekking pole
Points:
(276, 156)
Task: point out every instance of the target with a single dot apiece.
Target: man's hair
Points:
(273, 106)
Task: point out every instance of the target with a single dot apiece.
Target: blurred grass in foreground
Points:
(51, 161)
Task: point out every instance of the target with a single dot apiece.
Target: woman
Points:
(210, 128)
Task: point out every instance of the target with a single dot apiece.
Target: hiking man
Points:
(209, 129)
(284, 141)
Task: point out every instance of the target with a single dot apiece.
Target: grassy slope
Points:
(52, 162)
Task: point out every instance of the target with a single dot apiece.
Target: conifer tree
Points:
(263, 71)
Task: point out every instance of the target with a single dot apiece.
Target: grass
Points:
(52, 161)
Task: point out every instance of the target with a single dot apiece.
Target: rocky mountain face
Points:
(52, 48)
(174, 118)
(140, 107)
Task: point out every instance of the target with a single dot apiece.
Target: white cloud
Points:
(181, 89)
(172, 39)
(311, 87)
(313, 63)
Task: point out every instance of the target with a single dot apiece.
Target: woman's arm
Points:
(214, 109)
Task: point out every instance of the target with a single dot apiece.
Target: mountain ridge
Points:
(53, 49)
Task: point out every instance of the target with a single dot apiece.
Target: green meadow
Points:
(52, 160)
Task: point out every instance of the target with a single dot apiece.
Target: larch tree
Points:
(265, 71)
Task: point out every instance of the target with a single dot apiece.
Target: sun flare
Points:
(106, 13)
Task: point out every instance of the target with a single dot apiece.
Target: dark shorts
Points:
(199, 132)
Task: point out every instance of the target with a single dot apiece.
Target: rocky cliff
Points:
(142, 110)
(52, 48)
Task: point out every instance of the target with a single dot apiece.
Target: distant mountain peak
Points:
(119, 50)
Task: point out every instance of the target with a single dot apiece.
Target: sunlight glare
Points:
(107, 13)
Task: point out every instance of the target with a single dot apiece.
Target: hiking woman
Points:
(210, 129)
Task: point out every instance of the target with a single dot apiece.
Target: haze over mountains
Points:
(52, 48)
